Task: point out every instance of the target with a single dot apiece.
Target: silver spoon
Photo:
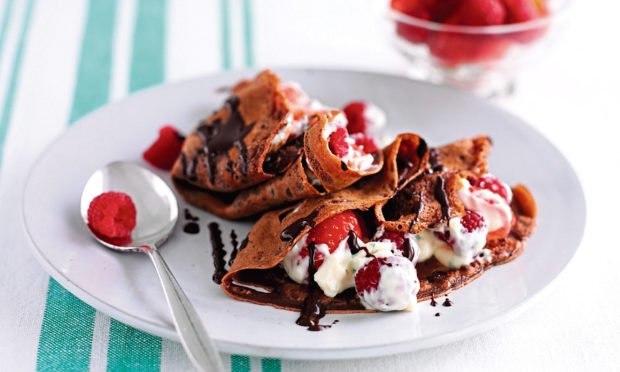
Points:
(157, 215)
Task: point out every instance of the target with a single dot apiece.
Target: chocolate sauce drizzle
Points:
(408, 251)
(354, 246)
(278, 161)
(283, 215)
(217, 252)
(442, 196)
(220, 136)
(293, 230)
(422, 148)
(191, 227)
(447, 303)
(435, 162)
(437, 314)
(419, 209)
(189, 166)
(433, 302)
(313, 310)
(234, 243)
(189, 216)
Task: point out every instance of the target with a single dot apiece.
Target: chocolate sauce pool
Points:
(235, 243)
(217, 252)
(313, 310)
(191, 227)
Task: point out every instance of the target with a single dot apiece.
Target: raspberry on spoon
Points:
(112, 215)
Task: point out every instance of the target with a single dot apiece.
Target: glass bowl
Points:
(481, 59)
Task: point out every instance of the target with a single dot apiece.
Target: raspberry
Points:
(480, 13)
(296, 97)
(166, 149)
(441, 9)
(337, 143)
(367, 144)
(413, 33)
(396, 292)
(453, 49)
(525, 10)
(354, 112)
(112, 215)
(396, 237)
(490, 183)
(367, 278)
(522, 11)
(472, 221)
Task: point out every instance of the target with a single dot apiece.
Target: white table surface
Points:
(571, 96)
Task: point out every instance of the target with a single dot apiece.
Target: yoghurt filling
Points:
(462, 239)
(383, 277)
(302, 107)
(397, 284)
(355, 150)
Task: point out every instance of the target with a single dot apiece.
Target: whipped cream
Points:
(397, 288)
(355, 158)
(495, 210)
(339, 267)
(428, 243)
(460, 249)
(293, 128)
(375, 117)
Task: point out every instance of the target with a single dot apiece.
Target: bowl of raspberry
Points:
(475, 45)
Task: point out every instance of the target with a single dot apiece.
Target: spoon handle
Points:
(194, 337)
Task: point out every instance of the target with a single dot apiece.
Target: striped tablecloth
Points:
(60, 60)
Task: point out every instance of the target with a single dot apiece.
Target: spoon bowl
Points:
(155, 203)
(157, 214)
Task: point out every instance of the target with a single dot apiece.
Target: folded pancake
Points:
(271, 238)
(265, 148)
(416, 190)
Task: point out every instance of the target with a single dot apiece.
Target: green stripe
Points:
(67, 330)
(247, 33)
(147, 62)
(239, 363)
(132, 350)
(129, 348)
(92, 88)
(5, 24)
(271, 365)
(225, 31)
(66, 335)
(7, 110)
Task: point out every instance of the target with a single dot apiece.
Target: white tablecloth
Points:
(571, 96)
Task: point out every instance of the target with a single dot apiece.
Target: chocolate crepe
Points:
(230, 166)
(411, 193)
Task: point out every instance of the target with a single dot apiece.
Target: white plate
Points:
(125, 285)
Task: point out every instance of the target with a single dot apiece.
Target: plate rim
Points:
(297, 352)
